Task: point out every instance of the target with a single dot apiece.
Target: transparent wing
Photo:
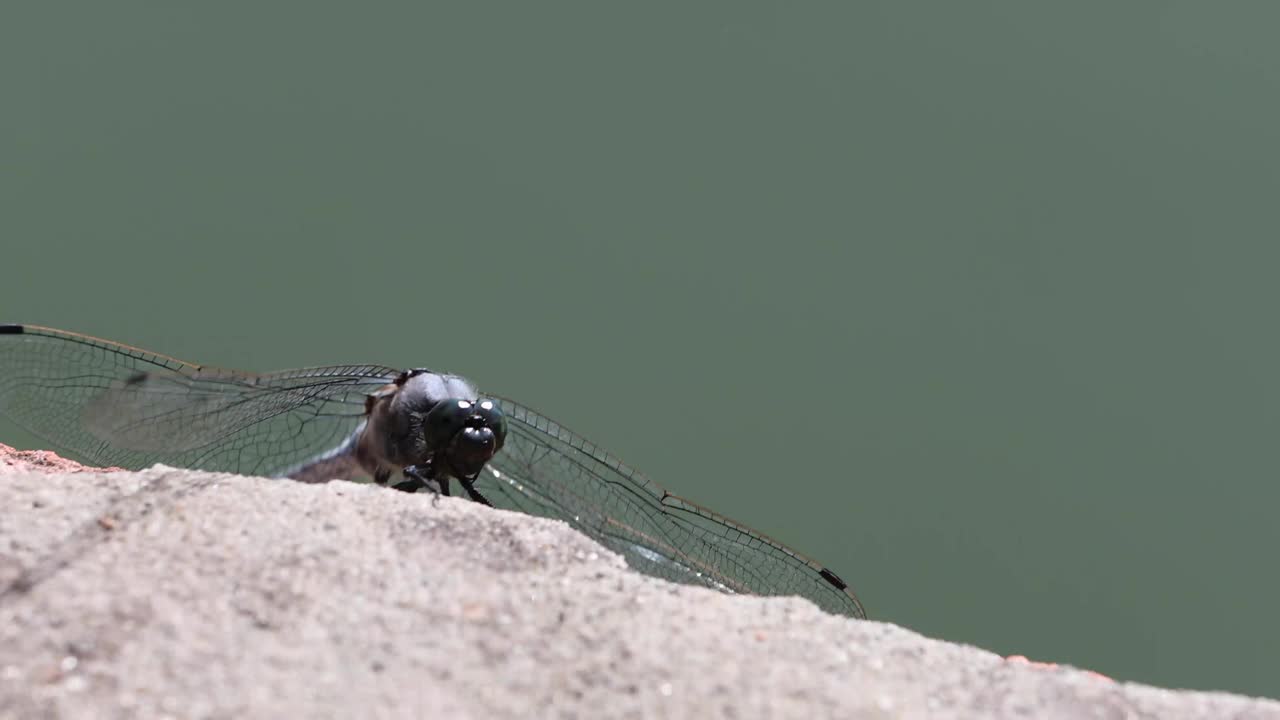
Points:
(117, 405)
(544, 469)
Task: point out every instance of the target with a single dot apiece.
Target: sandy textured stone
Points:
(178, 594)
(15, 461)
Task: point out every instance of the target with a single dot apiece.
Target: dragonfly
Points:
(116, 405)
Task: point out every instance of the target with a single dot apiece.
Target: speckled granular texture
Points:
(16, 461)
(178, 594)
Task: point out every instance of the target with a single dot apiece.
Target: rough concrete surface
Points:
(170, 593)
(15, 461)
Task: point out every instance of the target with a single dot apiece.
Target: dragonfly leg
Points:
(469, 486)
(419, 477)
(411, 485)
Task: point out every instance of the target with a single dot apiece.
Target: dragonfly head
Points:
(466, 434)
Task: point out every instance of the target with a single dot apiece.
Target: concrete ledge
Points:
(170, 593)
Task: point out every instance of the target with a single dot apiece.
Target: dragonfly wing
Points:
(117, 405)
(544, 469)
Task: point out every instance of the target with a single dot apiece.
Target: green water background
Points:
(974, 302)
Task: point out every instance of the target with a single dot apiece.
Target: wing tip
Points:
(11, 329)
(833, 578)
(842, 586)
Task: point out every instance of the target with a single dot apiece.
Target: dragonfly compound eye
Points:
(488, 413)
(445, 420)
(466, 433)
